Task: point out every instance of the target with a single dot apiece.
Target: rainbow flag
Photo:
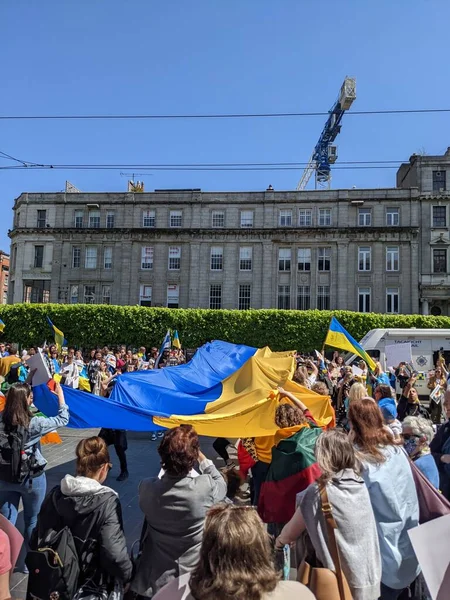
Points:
(338, 337)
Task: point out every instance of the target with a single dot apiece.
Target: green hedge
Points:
(87, 326)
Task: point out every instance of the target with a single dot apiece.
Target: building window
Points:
(38, 256)
(285, 218)
(323, 297)
(284, 259)
(392, 217)
(76, 257)
(284, 297)
(324, 217)
(244, 296)
(392, 258)
(91, 257)
(439, 260)
(305, 217)
(110, 219)
(304, 259)
(324, 259)
(364, 259)
(218, 218)
(41, 219)
(246, 219)
(73, 294)
(245, 258)
(107, 257)
(176, 217)
(173, 296)
(36, 291)
(364, 217)
(78, 219)
(364, 300)
(174, 258)
(106, 294)
(94, 219)
(145, 295)
(89, 294)
(148, 218)
(439, 216)
(392, 300)
(303, 297)
(147, 257)
(215, 296)
(439, 180)
(216, 258)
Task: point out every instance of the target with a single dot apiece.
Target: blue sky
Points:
(211, 56)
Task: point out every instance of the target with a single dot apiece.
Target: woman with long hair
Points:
(356, 531)
(388, 476)
(93, 514)
(175, 505)
(235, 562)
(15, 418)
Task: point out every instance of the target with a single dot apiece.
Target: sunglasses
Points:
(109, 467)
(408, 436)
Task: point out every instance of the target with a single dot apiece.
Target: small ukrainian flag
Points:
(59, 336)
(176, 340)
(2, 326)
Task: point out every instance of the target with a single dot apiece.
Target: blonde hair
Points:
(357, 392)
(335, 452)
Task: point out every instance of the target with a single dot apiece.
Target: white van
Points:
(426, 344)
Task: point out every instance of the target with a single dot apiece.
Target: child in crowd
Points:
(390, 418)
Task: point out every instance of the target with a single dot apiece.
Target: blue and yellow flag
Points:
(176, 340)
(338, 337)
(226, 390)
(2, 326)
(59, 336)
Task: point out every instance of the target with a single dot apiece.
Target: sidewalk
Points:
(143, 461)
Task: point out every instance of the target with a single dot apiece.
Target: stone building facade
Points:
(359, 249)
(4, 277)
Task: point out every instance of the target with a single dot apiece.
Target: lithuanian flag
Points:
(292, 470)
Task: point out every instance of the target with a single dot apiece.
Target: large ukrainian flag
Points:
(225, 390)
(338, 337)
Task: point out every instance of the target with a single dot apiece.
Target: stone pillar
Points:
(345, 279)
(269, 276)
(414, 265)
(425, 306)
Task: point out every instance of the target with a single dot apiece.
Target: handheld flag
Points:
(338, 337)
(164, 346)
(59, 336)
(176, 340)
(2, 326)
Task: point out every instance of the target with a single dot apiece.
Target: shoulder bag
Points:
(324, 583)
(432, 504)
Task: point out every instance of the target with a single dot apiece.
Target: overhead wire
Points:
(224, 115)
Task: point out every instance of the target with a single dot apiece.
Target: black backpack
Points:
(54, 567)
(13, 375)
(14, 466)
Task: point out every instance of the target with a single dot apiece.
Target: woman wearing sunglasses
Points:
(417, 435)
(93, 514)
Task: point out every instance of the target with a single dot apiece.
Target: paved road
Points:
(143, 461)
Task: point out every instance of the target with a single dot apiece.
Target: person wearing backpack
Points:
(80, 523)
(22, 465)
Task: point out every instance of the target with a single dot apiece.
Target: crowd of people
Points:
(200, 539)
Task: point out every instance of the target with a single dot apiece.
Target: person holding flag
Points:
(165, 347)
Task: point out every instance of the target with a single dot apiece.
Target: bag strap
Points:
(333, 547)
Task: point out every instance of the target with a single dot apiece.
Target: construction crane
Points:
(325, 153)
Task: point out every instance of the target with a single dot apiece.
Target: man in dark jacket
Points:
(439, 450)
(409, 404)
